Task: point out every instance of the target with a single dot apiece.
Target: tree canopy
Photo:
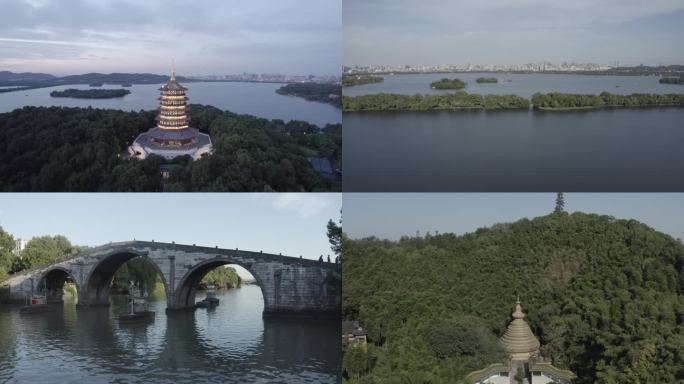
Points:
(604, 296)
(565, 101)
(321, 92)
(90, 93)
(6, 253)
(351, 80)
(448, 84)
(222, 277)
(78, 149)
(45, 249)
(444, 102)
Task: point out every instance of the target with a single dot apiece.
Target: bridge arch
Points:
(187, 286)
(52, 282)
(98, 281)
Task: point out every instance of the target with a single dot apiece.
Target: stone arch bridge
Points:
(290, 285)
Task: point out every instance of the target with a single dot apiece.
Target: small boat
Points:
(38, 304)
(137, 306)
(211, 300)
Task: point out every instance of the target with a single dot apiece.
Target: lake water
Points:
(519, 84)
(602, 150)
(258, 99)
(230, 344)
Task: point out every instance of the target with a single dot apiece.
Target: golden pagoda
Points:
(173, 135)
(518, 339)
(524, 359)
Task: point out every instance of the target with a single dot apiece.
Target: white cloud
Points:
(305, 205)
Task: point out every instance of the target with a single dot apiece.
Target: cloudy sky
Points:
(425, 32)
(392, 215)
(291, 223)
(204, 36)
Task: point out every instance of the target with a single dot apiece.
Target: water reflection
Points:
(230, 344)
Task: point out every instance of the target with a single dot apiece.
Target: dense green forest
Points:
(222, 277)
(444, 102)
(78, 149)
(90, 93)
(351, 80)
(486, 80)
(564, 101)
(324, 93)
(672, 80)
(604, 296)
(448, 84)
(6, 254)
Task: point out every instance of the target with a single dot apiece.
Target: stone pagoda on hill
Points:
(524, 362)
(173, 135)
(518, 339)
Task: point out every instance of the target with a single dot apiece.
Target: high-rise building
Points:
(19, 245)
(173, 135)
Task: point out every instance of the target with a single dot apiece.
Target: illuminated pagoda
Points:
(524, 363)
(173, 135)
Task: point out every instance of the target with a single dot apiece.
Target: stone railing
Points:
(486, 372)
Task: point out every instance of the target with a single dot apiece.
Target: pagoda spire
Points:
(518, 339)
(173, 69)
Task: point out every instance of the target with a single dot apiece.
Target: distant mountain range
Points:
(14, 78)
(39, 80)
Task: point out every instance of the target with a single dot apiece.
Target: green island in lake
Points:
(321, 92)
(481, 80)
(542, 101)
(351, 80)
(671, 80)
(445, 102)
(91, 93)
(448, 84)
(568, 101)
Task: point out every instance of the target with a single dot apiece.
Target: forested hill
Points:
(605, 297)
(78, 149)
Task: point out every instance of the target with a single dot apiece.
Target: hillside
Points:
(78, 149)
(604, 296)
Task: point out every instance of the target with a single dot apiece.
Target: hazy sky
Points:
(425, 32)
(294, 224)
(392, 215)
(204, 36)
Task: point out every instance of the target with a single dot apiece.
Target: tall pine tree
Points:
(560, 203)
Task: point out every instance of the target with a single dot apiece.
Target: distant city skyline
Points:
(392, 215)
(502, 32)
(293, 224)
(203, 36)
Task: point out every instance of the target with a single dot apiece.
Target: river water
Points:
(229, 344)
(524, 85)
(590, 151)
(257, 99)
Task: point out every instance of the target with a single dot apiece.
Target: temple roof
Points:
(173, 85)
(518, 338)
(176, 134)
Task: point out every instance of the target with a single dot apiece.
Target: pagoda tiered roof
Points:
(518, 339)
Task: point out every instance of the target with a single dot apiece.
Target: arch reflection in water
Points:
(231, 344)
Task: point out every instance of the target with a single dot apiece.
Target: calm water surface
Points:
(258, 99)
(602, 150)
(231, 344)
(519, 84)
